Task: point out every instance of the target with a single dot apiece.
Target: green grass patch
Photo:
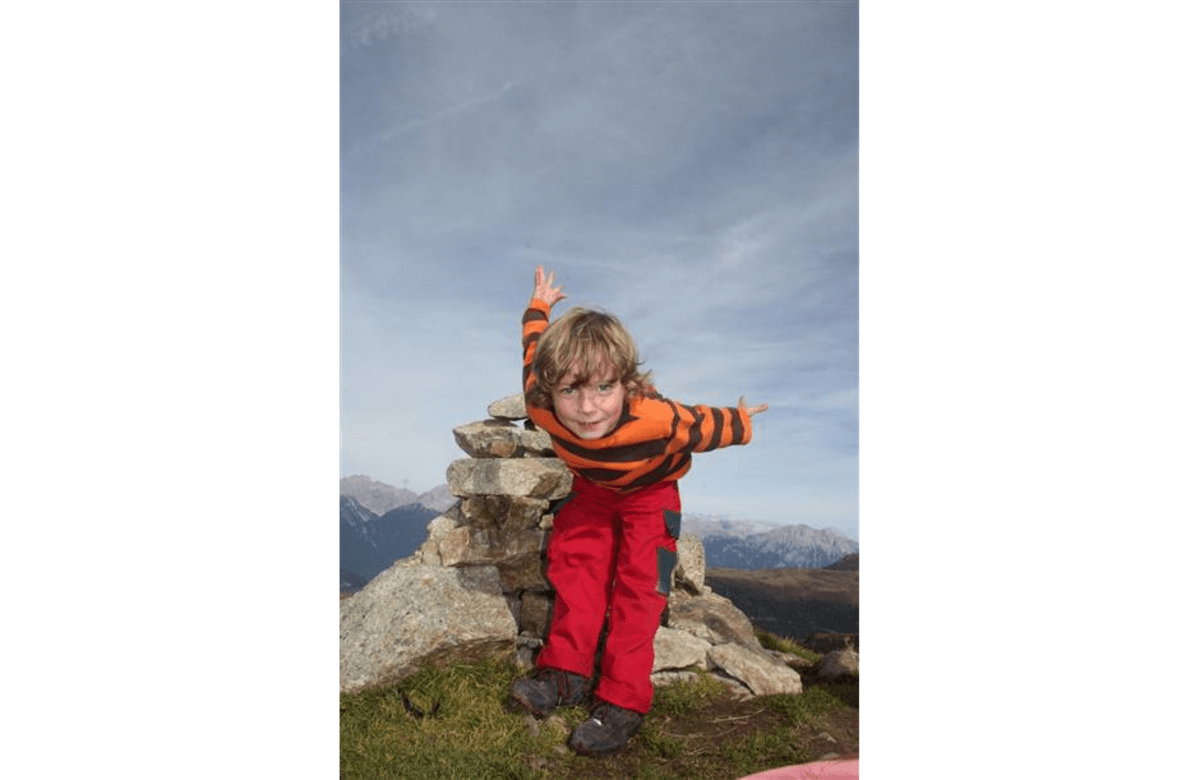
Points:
(808, 708)
(785, 645)
(655, 743)
(695, 729)
(470, 735)
(686, 696)
(769, 748)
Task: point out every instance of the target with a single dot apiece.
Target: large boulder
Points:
(713, 618)
(411, 613)
(760, 672)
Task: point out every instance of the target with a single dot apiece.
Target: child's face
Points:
(592, 407)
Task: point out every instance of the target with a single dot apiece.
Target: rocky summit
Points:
(477, 584)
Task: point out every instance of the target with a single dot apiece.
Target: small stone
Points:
(502, 439)
(510, 408)
(526, 650)
(556, 724)
(530, 477)
(838, 663)
(675, 649)
(536, 610)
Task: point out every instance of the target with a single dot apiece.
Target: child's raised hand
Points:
(544, 289)
(751, 410)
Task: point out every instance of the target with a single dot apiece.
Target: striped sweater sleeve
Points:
(533, 324)
(705, 428)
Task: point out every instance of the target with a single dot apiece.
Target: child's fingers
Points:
(751, 410)
(542, 280)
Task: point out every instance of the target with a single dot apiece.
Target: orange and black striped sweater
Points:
(654, 438)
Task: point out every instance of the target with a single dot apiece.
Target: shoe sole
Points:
(529, 708)
(599, 753)
(604, 753)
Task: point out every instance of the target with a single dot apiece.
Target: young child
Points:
(612, 549)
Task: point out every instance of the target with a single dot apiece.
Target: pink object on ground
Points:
(833, 769)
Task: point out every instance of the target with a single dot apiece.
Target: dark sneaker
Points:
(606, 731)
(549, 689)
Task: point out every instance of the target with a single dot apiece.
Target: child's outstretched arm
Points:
(544, 289)
(751, 410)
(536, 319)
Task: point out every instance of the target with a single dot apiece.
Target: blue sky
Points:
(689, 167)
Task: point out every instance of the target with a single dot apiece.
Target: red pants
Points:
(611, 554)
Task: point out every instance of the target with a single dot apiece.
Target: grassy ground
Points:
(454, 722)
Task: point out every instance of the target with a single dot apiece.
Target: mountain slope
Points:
(793, 603)
(439, 498)
(370, 543)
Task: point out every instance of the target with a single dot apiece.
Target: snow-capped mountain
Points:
(734, 543)
(356, 516)
(705, 526)
(377, 497)
(790, 546)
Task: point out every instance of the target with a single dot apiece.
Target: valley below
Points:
(792, 603)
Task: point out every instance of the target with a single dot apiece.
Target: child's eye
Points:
(605, 387)
(566, 391)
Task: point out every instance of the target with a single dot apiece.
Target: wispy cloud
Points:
(392, 133)
(367, 24)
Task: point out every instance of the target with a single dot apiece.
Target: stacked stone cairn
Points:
(477, 586)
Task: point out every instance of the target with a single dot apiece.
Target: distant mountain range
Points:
(381, 524)
(705, 526)
(382, 498)
(753, 545)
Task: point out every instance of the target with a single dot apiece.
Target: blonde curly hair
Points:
(591, 341)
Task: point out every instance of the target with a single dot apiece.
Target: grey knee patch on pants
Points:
(666, 567)
(674, 522)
